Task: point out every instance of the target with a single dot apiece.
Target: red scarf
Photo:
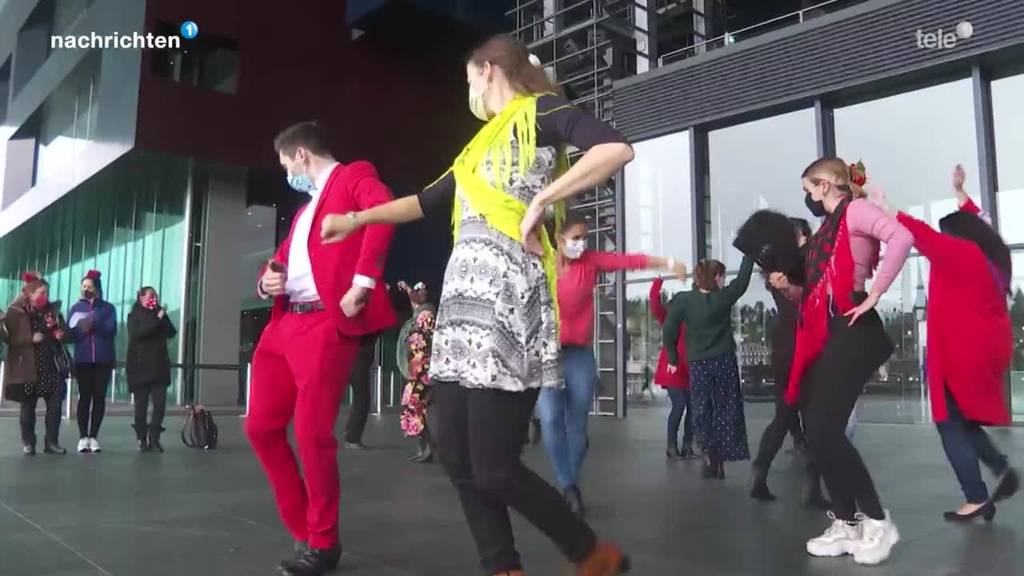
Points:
(829, 263)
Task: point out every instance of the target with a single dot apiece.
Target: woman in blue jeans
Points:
(563, 412)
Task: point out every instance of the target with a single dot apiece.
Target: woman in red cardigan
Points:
(676, 383)
(969, 347)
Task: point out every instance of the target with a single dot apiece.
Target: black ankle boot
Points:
(759, 484)
(575, 499)
(672, 452)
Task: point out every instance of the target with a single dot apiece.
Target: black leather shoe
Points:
(314, 562)
(672, 452)
(1009, 484)
(298, 550)
(575, 499)
(759, 485)
(55, 449)
(687, 453)
(987, 511)
(155, 446)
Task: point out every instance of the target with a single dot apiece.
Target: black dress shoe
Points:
(672, 452)
(987, 511)
(55, 449)
(1009, 484)
(155, 446)
(298, 550)
(759, 485)
(575, 499)
(314, 562)
(687, 453)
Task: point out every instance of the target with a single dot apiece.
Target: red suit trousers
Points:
(300, 371)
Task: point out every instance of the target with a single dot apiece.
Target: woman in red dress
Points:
(676, 383)
(968, 286)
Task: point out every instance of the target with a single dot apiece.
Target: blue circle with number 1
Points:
(189, 29)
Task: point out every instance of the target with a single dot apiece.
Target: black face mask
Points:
(817, 207)
(89, 294)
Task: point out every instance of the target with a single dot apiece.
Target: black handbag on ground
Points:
(199, 430)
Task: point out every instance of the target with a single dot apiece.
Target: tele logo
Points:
(945, 39)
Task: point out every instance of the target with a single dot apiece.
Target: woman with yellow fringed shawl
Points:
(496, 339)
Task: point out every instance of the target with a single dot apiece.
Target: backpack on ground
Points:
(199, 430)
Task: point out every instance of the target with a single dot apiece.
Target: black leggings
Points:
(836, 379)
(479, 435)
(786, 419)
(156, 393)
(93, 380)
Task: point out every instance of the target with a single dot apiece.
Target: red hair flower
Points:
(858, 173)
(29, 277)
(93, 274)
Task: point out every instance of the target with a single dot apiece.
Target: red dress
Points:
(662, 377)
(970, 343)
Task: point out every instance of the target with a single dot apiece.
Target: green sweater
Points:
(708, 318)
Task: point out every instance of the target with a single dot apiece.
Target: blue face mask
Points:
(301, 183)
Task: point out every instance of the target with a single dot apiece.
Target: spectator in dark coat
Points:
(149, 365)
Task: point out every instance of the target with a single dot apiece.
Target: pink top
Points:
(868, 225)
(576, 291)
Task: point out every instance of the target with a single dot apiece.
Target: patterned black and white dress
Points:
(496, 325)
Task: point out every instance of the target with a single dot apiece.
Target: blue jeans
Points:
(563, 414)
(680, 398)
(966, 443)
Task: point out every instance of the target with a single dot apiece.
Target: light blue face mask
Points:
(301, 183)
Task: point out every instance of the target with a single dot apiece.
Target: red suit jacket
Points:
(350, 188)
(662, 377)
(970, 343)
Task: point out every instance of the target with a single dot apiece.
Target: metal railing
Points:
(730, 38)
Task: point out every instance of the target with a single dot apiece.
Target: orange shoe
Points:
(606, 559)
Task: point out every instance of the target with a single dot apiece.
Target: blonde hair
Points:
(834, 170)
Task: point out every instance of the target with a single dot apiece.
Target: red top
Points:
(969, 340)
(350, 188)
(576, 291)
(662, 377)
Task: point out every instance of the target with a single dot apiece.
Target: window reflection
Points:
(754, 166)
(643, 338)
(659, 205)
(1017, 321)
(914, 173)
(1008, 118)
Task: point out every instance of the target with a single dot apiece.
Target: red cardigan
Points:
(681, 379)
(969, 340)
(349, 188)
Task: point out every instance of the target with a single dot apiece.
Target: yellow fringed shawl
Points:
(502, 211)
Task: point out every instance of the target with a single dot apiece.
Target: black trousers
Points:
(786, 419)
(479, 435)
(833, 384)
(28, 420)
(359, 381)
(93, 380)
(157, 394)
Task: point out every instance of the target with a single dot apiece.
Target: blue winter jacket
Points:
(94, 339)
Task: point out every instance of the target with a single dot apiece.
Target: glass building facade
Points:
(909, 141)
(129, 222)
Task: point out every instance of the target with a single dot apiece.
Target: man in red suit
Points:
(326, 298)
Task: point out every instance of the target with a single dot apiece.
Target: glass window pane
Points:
(659, 205)
(1008, 118)
(1017, 320)
(915, 176)
(756, 166)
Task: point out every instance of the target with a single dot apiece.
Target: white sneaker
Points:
(83, 446)
(94, 446)
(841, 538)
(877, 539)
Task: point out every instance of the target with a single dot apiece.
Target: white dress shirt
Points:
(300, 285)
